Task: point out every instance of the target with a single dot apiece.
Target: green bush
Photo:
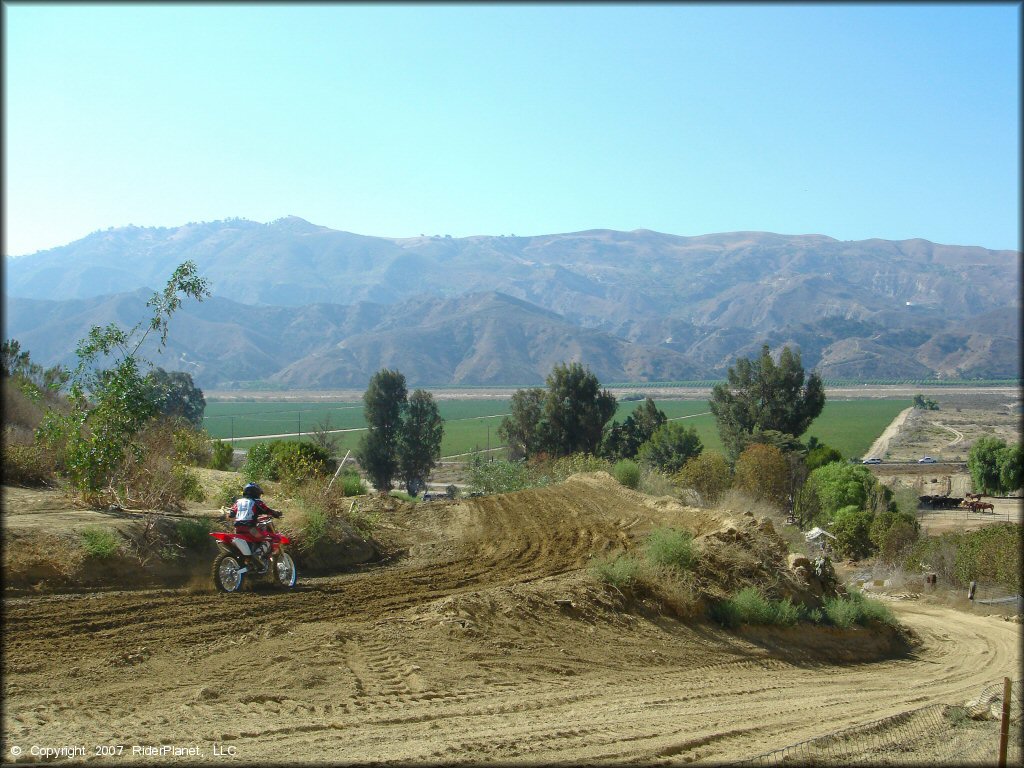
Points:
(627, 472)
(989, 554)
(192, 446)
(188, 483)
(670, 447)
(293, 462)
(222, 455)
(194, 532)
(855, 608)
(500, 476)
(749, 606)
(621, 572)
(852, 528)
(100, 542)
(352, 484)
(259, 463)
(670, 547)
(313, 527)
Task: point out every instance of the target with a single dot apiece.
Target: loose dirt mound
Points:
(487, 640)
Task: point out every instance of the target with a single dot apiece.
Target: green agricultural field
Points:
(850, 426)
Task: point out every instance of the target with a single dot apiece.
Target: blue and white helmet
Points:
(252, 491)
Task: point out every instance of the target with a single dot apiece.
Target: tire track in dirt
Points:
(459, 654)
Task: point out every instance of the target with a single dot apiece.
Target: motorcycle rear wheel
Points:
(285, 573)
(227, 575)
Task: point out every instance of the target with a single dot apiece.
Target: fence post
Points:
(1004, 728)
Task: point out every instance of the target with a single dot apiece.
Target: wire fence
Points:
(936, 734)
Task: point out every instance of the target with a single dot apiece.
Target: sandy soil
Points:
(487, 641)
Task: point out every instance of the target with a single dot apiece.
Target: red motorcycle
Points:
(242, 555)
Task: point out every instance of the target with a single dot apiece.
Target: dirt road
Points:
(487, 641)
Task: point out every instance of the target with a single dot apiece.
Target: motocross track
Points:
(457, 651)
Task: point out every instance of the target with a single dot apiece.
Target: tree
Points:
(322, 437)
(384, 404)
(419, 448)
(983, 464)
(624, 441)
(708, 474)
(111, 406)
(670, 447)
(852, 528)
(839, 485)
(575, 410)
(925, 403)
(763, 472)
(821, 455)
(31, 377)
(521, 430)
(762, 395)
(892, 532)
(1011, 468)
(176, 395)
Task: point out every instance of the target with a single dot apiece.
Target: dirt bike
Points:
(241, 555)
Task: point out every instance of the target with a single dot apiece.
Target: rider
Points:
(245, 511)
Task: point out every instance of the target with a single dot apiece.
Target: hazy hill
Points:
(311, 306)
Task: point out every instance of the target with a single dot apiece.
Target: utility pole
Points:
(232, 431)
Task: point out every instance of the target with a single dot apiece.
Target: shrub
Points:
(855, 608)
(192, 446)
(100, 542)
(851, 526)
(893, 533)
(566, 466)
(627, 472)
(403, 496)
(671, 548)
(670, 447)
(763, 472)
(352, 484)
(657, 484)
(189, 486)
(26, 465)
(259, 463)
(222, 455)
(708, 474)
(294, 461)
(194, 532)
(990, 554)
(500, 476)
(313, 526)
(621, 572)
(749, 606)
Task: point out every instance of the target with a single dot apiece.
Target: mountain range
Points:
(303, 306)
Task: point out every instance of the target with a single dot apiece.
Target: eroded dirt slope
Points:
(487, 641)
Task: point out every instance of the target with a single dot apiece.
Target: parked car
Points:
(927, 460)
(872, 460)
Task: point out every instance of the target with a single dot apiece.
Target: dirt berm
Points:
(489, 640)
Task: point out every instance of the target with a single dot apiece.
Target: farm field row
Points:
(472, 425)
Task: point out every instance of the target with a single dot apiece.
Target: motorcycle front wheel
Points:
(285, 574)
(227, 573)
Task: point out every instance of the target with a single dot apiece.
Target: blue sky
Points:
(853, 121)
